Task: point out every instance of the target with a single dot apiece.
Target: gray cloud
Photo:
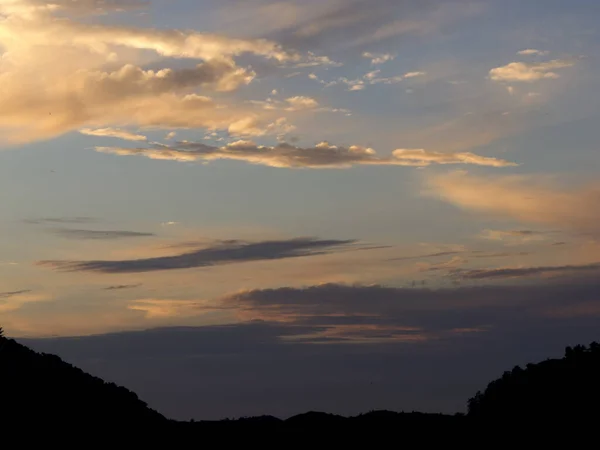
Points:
(92, 6)
(473, 253)
(480, 254)
(219, 254)
(95, 234)
(323, 155)
(121, 287)
(401, 314)
(13, 293)
(522, 272)
(430, 255)
(262, 367)
(343, 23)
(63, 220)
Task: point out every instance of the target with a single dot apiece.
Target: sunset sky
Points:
(311, 180)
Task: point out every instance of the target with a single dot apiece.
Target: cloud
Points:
(480, 254)
(295, 104)
(529, 72)
(253, 127)
(13, 293)
(451, 265)
(221, 253)
(533, 52)
(430, 255)
(380, 313)
(323, 155)
(113, 132)
(70, 233)
(384, 80)
(523, 272)
(424, 158)
(379, 58)
(251, 369)
(38, 26)
(161, 309)
(533, 199)
(514, 236)
(299, 103)
(120, 287)
(70, 6)
(259, 367)
(372, 77)
(341, 23)
(15, 300)
(101, 82)
(356, 87)
(414, 74)
(62, 220)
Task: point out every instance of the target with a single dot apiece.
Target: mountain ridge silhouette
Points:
(40, 389)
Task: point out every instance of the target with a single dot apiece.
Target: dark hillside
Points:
(556, 390)
(42, 388)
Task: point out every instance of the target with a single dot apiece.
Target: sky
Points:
(270, 206)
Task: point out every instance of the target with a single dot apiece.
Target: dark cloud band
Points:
(219, 254)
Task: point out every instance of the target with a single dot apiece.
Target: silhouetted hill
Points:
(556, 390)
(38, 388)
(314, 418)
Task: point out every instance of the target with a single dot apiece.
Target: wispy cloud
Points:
(533, 199)
(514, 236)
(348, 23)
(218, 254)
(533, 52)
(323, 155)
(162, 309)
(379, 58)
(524, 272)
(15, 300)
(70, 233)
(414, 74)
(301, 102)
(113, 132)
(121, 287)
(13, 293)
(60, 220)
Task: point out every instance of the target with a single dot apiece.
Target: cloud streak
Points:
(323, 155)
(114, 133)
(231, 252)
(60, 220)
(379, 313)
(533, 52)
(13, 293)
(121, 287)
(523, 272)
(70, 233)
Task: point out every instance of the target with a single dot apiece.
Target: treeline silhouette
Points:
(555, 390)
(40, 389)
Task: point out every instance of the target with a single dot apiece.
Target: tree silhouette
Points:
(42, 388)
(559, 390)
